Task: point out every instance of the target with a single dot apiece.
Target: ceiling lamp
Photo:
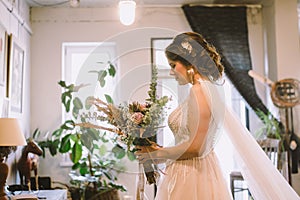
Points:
(74, 3)
(127, 11)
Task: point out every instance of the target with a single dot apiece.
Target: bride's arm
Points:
(198, 122)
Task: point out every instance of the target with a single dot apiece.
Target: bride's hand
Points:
(145, 153)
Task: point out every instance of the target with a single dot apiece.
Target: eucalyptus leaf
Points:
(77, 103)
(102, 150)
(131, 156)
(86, 140)
(88, 101)
(93, 134)
(101, 77)
(111, 70)
(108, 99)
(75, 112)
(119, 152)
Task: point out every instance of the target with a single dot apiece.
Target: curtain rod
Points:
(228, 5)
(196, 4)
(17, 16)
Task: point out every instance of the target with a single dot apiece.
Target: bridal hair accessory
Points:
(186, 45)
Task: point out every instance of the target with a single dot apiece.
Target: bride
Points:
(192, 169)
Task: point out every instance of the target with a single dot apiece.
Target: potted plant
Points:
(273, 131)
(271, 128)
(94, 154)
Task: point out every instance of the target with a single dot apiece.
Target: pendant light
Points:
(74, 3)
(127, 11)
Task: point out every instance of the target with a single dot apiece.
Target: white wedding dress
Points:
(201, 178)
(197, 178)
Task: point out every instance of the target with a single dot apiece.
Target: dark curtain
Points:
(226, 28)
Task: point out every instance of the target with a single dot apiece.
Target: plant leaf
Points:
(68, 125)
(102, 150)
(101, 77)
(108, 99)
(118, 151)
(111, 70)
(76, 152)
(131, 156)
(77, 103)
(65, 144)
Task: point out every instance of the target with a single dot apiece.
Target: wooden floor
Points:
(296, 182)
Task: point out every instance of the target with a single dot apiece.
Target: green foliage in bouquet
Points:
(134, 124)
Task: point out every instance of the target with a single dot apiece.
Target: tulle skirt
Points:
(193, 179)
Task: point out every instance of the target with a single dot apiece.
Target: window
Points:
(78, 60)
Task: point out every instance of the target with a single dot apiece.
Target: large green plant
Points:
(95, 154)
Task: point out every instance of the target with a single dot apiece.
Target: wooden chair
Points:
(279, 159)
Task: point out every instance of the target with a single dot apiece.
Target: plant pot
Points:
(111, 194)
(75, 193)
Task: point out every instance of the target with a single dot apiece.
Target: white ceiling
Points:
(113, 3)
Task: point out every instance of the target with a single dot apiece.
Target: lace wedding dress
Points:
(197, 178)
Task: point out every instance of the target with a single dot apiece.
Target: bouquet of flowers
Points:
(135, 124)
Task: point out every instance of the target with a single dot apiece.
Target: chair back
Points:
(272, 149)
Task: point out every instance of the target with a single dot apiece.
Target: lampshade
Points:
(10, 133)
(127, 11)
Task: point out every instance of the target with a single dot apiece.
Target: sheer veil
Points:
(263, 179)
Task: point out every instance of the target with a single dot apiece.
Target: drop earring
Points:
(190, 74)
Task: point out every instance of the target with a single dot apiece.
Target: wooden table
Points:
(40, 194)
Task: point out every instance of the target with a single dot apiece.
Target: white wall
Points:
(13, 26)
(282, 45)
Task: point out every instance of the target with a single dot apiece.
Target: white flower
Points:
(187, 46)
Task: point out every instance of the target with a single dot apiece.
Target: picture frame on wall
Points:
(3, 55)
(16, 75)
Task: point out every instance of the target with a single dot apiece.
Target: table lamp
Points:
(10, 137)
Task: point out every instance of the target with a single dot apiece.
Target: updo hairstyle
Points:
(191, 49)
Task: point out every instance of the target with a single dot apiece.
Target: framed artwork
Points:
(3, 55)
(16, 76)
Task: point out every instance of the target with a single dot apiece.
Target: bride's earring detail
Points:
(191, 74)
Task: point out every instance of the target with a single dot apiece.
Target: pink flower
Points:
(142, 107)
(137, 117)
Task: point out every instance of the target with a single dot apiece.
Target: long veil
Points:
(263, 179)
